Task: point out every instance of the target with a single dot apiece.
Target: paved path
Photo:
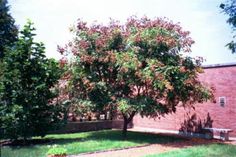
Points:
(145, 150)
(132, 152)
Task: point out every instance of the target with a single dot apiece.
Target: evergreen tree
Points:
(8, 30)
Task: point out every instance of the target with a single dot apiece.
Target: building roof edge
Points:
(219, 65)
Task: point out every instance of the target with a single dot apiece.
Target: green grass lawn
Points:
(211, 150)
(86, 142)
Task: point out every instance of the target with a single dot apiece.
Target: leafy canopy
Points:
(8, 30)
(229, 8)
(138, 67)
(27, 87)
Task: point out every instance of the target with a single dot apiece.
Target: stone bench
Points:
(224, 133)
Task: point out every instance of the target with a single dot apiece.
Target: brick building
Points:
(221, 114)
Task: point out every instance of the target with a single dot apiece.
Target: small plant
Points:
(57, 152)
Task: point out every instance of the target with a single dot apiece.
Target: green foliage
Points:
(8, 31)
(229, 8)
(134, 68)
(57, 151)
(27, 89)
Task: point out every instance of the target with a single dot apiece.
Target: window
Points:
(222, 101)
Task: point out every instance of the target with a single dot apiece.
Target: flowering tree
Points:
(138, 67)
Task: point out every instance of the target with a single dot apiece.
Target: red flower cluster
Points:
(61, 50)
(63, 61)
(81, 25)
(83, 44)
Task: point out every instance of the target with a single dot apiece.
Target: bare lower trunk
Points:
(127, 120)
(125, 126)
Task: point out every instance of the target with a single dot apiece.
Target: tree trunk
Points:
(125, 126)
(127, 120)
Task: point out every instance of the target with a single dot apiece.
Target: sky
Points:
(203, 18)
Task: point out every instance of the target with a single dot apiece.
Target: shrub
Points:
(55, 151)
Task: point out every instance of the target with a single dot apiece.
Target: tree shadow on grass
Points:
(42, 141)
(114, 135)
(135, 137)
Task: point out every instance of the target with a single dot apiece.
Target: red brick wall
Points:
(224, 81)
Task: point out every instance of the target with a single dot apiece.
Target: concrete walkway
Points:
(132, 152)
